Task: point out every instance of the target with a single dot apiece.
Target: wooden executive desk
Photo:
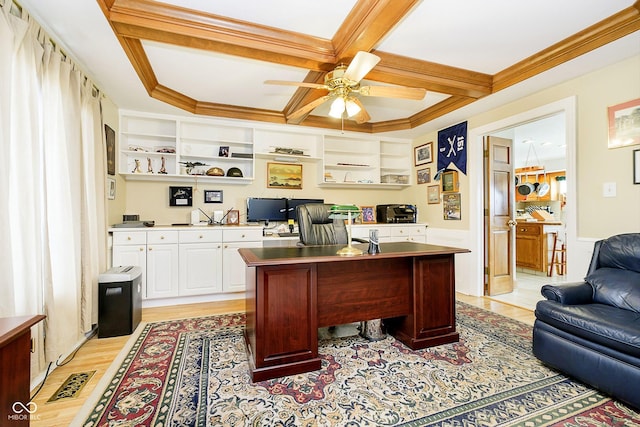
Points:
(292, 291)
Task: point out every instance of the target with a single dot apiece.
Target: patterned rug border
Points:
(518, 333)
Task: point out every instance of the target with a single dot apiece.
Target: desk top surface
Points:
(254, 257)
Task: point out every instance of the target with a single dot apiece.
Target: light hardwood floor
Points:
(98, 354)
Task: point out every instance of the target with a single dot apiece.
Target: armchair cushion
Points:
(598, 323)
(621, 252)
(569, 293)
(616, 287)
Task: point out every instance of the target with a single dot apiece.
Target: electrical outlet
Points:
(609, 189)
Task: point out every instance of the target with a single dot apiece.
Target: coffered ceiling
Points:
(212, 57)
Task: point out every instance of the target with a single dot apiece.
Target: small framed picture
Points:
(624, 129)
(368, 214)
(223, 152)
(433, 194)
(636, 166)
(180, 196)
(213, 196)
(450, 182)
(451, 208)
(424, 175)
(233, 217)
(111, 188)
(423, 154)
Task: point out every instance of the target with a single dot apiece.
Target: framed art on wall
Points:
(423, 154)
(424, 175)
(111, 188)
(213, 196)
(180, 196)
(624, 124)
(110, 141)
(284, 175)
(451, 206)
(433, 194)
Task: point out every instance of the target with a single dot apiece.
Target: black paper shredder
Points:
(119, 301)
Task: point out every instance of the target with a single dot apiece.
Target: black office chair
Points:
(316, 228)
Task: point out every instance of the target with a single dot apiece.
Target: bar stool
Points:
(558, 256)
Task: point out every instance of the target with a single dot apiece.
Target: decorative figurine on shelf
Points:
(149, 166)
(163, 168)
(137, 169)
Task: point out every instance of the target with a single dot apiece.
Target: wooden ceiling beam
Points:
(367, 24)
(606, 31)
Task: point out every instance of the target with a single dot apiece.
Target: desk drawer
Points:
(242, 235)
(200, 236)
(162, 237)
(129, 237)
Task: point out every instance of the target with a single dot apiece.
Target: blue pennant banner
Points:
(452, 147)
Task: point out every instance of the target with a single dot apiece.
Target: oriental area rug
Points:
(194, 372)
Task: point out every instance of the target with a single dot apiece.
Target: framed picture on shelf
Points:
(223, 151)
(624, 127)
(368, 214)
(111, 188)
(180, 196)
(233, 217)
(423, 154)
(433, 194)
(213, 196)
(424, 175)
(284, 175)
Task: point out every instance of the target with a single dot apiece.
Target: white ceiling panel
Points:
(489, 36)
(222, 78)
(312, 17)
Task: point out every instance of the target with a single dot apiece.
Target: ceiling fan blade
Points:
(362, 116)
(362, 63)
(301, 84)
(393, 92)
(310, 106)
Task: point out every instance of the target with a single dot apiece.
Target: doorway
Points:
(476, 184)
(539, 160)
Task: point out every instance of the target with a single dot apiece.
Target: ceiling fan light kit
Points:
(343, 85)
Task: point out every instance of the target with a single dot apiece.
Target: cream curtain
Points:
(53, 226)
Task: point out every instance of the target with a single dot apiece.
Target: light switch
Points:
(609, 189)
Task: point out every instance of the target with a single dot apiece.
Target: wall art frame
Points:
(284, 175)
(624, 124)
(213, 196)
(423, 154)
(180, 196)
(433, 194)
(423, 176)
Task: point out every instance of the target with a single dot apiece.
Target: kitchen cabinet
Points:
(393, 232)
(532, 244)
(130, 248)
(200, 266)
(233, 271)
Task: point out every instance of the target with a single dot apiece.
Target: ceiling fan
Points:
(343, 84)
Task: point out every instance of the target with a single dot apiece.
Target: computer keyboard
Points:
(288, 234)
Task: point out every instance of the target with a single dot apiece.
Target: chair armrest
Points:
(569, 293)
(359, 240)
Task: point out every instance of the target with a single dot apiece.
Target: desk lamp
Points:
(347, 212)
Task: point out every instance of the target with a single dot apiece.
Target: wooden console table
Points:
(292, 291)
(15, 366)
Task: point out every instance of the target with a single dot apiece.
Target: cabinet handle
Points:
(226, 246)
(141, 249)
(128, 237)
(161, 237)
(150, 248)
(243, 236)
(201, 237)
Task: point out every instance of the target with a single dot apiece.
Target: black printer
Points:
(396, 214)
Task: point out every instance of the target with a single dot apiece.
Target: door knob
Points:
(512, 223)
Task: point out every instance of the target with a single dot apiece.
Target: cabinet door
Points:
(409, 233)
(200, 268)
(132, 255)
(233, 269)
(162, 271)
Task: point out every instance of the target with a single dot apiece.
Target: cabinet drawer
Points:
(362, 232)
(161, 237)
(528, 229)
(242, 235)
(200, 236)
(129, 237)
(408, 230)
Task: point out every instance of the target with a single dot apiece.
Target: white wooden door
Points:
(123, 255)
(162, 271)
(233, 267)
(200, 268)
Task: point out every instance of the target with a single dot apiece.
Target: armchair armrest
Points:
(359, 240)
(569, 293)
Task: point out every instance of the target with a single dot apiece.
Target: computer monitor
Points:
(292, 203)
(266, 209)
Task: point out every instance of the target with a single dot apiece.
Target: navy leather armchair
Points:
(590, 330)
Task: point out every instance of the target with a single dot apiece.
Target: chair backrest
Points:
(316, 228)
(621, 251)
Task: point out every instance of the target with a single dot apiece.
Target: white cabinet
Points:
(200, 267)
(393, 232)
(130, 248)
(162, 264)
(233, 271)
